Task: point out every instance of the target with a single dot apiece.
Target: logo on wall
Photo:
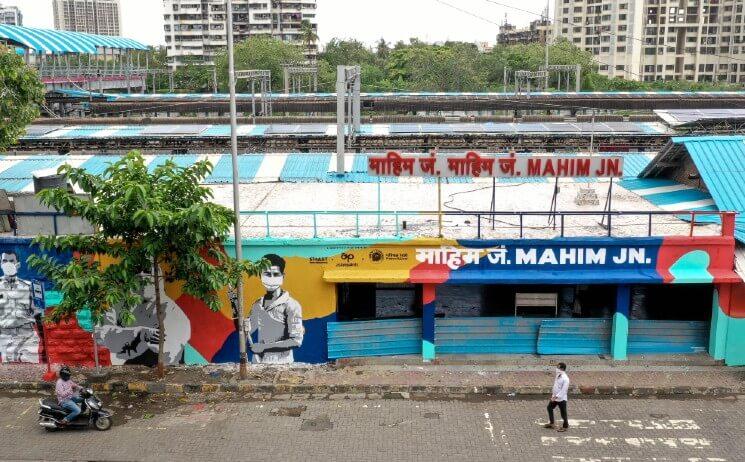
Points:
(347, 260)
(376, 256)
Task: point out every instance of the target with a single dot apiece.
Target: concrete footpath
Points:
(464, 378)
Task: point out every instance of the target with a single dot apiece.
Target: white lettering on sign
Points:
(475, 165)
(455, 258)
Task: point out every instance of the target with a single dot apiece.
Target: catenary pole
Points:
(236, 189)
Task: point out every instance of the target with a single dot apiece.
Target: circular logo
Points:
(376, 256)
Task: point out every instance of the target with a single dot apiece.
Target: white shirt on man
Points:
(561, 387)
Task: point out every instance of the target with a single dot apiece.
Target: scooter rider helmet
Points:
(65, 373)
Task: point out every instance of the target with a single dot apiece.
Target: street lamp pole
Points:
(236, 189)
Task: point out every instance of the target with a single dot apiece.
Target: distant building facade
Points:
(102, 17)
(651, 40)
(536, 32)
(11, 16)
(196, 29)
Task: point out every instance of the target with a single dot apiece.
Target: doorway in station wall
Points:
(376, 320)
(504, 319)
(670, 318)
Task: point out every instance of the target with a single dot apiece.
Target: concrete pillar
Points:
(428, 321)
(341, 92)
(719, 322)
(620, 330)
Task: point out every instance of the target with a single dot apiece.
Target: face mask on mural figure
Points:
(9, 265)
(9, 269)
(272, 279)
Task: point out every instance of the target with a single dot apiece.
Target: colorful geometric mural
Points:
(288, 308)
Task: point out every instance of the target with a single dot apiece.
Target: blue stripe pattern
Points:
(248, 166)
(276, 96)
(374, 338)
(97, 164)
(20, 175)
(574, 336)
(179, 160)
(57, 42)
(486, 335)
(667, 337)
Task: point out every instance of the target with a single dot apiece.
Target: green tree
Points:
(21, 95)
(308, 35)
(382, 50)
(259, 53)
(149, 225)
(194, 77)
(348, 53)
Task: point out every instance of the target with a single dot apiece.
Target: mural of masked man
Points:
(19, 340)
(137, 343)
(277, 317)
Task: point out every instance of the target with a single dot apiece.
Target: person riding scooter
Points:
(66, 397)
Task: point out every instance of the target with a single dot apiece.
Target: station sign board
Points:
(475, 165)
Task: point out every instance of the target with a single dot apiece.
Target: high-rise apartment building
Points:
(196, 28)
(103, 17)
(696, 40)
(11, 15)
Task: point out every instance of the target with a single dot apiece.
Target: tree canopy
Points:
(149, 224)
(21, 95)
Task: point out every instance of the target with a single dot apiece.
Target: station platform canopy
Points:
(48, 41)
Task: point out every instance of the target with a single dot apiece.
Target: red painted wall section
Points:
(69, 344)
(209, 329)
(721, 251)
(732, 300)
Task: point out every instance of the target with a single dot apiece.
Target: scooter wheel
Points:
(103, 423)
(51, 429)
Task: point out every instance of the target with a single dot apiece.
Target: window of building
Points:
(620, 67)
(621, 49)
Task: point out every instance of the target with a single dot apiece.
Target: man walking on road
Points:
(559, 398)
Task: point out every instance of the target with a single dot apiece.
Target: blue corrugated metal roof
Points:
(56, 41)
(721, 162)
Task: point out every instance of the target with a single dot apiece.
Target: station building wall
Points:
(314, 267)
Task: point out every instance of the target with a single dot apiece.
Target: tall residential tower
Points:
(102, 17)
(196, 28)
(11, 16)
(695, 40)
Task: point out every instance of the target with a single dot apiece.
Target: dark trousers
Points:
(562, 408)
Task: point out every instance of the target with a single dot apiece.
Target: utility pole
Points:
(545, 39)
(236, 190)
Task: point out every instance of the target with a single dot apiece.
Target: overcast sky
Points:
(366, 20)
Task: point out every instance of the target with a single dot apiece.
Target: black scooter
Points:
(93, 414)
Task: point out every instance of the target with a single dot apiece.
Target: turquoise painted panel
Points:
(486, 335)
(668, 336)
(735, 350)
(248, 165)
(20, 175)
(97, 164)
(676, 197)
(718, 329)
(374, 338)
(180, 160)
(574, 336)
(301, 168)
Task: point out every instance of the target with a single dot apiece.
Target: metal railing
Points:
(557, 221)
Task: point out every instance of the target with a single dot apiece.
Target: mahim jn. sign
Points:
(475, 165)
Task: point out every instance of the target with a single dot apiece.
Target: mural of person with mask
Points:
(278, 318)
(19, 340)
(137, 343)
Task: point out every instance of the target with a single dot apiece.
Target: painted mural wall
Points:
(289, 306)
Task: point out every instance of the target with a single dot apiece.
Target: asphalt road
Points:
(221, 429)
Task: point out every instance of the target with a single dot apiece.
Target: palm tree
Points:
(308, 35)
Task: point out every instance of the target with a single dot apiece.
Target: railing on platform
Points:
(483, 221)
(556, 221)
